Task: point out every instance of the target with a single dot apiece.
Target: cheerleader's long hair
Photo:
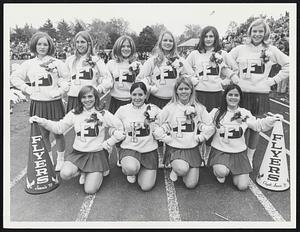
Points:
(260, 21)
(223, 107)
(201, 45)
(116, 51)
(87, 37)
(99, 106)
(160, 53)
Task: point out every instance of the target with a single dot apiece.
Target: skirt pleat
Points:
(115, 104)
(72, 103)
(190, 155)
(51, 110)
(158, 101)
(257, 103)
(209, 99)
(237, 163)
(89, 161)
(148, 160)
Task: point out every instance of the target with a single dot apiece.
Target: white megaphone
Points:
(273, 172)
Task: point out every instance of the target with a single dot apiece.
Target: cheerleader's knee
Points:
(220, 170)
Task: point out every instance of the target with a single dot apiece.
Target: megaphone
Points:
(273, 172)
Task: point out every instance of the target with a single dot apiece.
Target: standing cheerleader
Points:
(162, 69)
(138, 152)
(90, 150)
(47, 76)
(212, 67)
(124, 69)
(229, 149)
(85, 69)
(255, 60)
(180, 122)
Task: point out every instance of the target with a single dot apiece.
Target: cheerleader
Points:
(85, 69)
(47, 76)
(123, 68)
(161, 70)
(212, 67)
(255, 60)
(138, 152)
(90, 149)
(229, 149)
(184, 124)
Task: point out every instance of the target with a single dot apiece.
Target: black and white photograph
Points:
(149, 115)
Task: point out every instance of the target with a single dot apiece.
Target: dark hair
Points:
(35, 38)
(138, 85)
(223, 108)
(84, 90)
(201, 45)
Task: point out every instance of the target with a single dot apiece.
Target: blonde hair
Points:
(258, 22)
(159, 51)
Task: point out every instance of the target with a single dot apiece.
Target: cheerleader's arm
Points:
(230, 69)
(57, 127)
(206, 127)
(283, 60)
(18, 77)
(63, 81)
(116, 128)
(105, 80)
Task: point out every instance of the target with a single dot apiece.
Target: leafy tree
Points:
(115, 28)
(147, 40)
(191, 31)
(63, 31)
(48, 27)
(232, 27)
(158, 28)
(78, 26)
(17, 34)
(98, 33)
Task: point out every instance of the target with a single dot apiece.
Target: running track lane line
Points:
(23, 172)
(265, 202)
(85, 208)
(173, 207)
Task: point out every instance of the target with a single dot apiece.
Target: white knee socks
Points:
(250, 154)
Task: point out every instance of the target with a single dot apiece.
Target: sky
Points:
(173, 16)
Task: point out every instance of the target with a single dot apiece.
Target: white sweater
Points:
(163, 77)
(253, 73)
(45, 86)
(183, 132)
(122, 79)
(98, 76)
(230, 136)
(210, 76)
(88, 135)
(138, 135)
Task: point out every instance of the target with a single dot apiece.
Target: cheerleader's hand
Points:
(35, 119)
(153, 88)
(119, 135)
(158, 133)
(29, 90)
(200, 138)
(225, 82)
(166, 138)
(271, 81)
(235, 79)
(107, 147)
(101, 89)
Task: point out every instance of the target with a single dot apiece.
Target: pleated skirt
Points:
(89, 161)
(51, 110)
(115, 104)
(257, 103)
(209, 99)
(237, 163)
(148, 160)
(72, 103)
(190, 155)
(158, 101)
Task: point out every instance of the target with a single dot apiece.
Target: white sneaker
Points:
(59, 165)
(131, 179)
(106, 173)
(221, 179)
(82, 178)
(173, 176)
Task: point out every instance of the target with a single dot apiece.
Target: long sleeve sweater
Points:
(210, 75)
(254, 73)
(138, 134)
(81, 75)
(45, 85)
(163, 77)
(122, 78)
(89, 135)
(230, 135)
(183, 131)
